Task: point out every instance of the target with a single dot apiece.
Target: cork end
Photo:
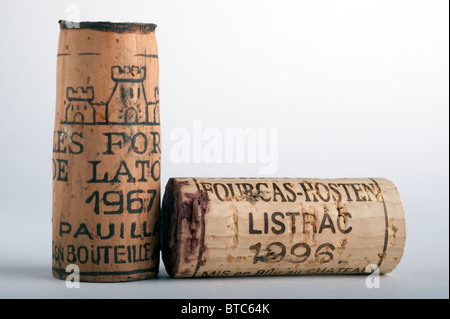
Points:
(169, 213)
(182, 229)
(106, 26)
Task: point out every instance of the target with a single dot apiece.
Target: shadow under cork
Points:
(22, 272)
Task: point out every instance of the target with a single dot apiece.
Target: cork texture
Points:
(213, 227)
(106, 153)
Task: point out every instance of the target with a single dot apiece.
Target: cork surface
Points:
(255, 227)
(106, 26)
(106, 154)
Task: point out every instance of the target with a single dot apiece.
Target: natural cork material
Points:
(218, 227)
(106, 152)
(121, 27)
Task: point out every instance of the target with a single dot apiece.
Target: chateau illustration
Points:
(127, 105)
(80, 109)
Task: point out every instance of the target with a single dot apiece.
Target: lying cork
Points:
(106, 152)
(218, 227)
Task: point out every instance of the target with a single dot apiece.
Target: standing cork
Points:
(215, 227)
(106, 152)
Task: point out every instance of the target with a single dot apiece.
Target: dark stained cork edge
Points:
(106, 26)
(176, 207)
(168, 233)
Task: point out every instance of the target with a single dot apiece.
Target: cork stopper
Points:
(106, 26)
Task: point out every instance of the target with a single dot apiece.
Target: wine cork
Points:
(106, 152)
(218, 227)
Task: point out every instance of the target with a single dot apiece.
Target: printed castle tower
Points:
(128, 103)
(80, 110)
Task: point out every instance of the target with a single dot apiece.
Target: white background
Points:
(355, 88)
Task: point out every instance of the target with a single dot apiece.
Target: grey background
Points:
(355, 88)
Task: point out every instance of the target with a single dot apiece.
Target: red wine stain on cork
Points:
(171, 207)
(204, 257)
(190, 215)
